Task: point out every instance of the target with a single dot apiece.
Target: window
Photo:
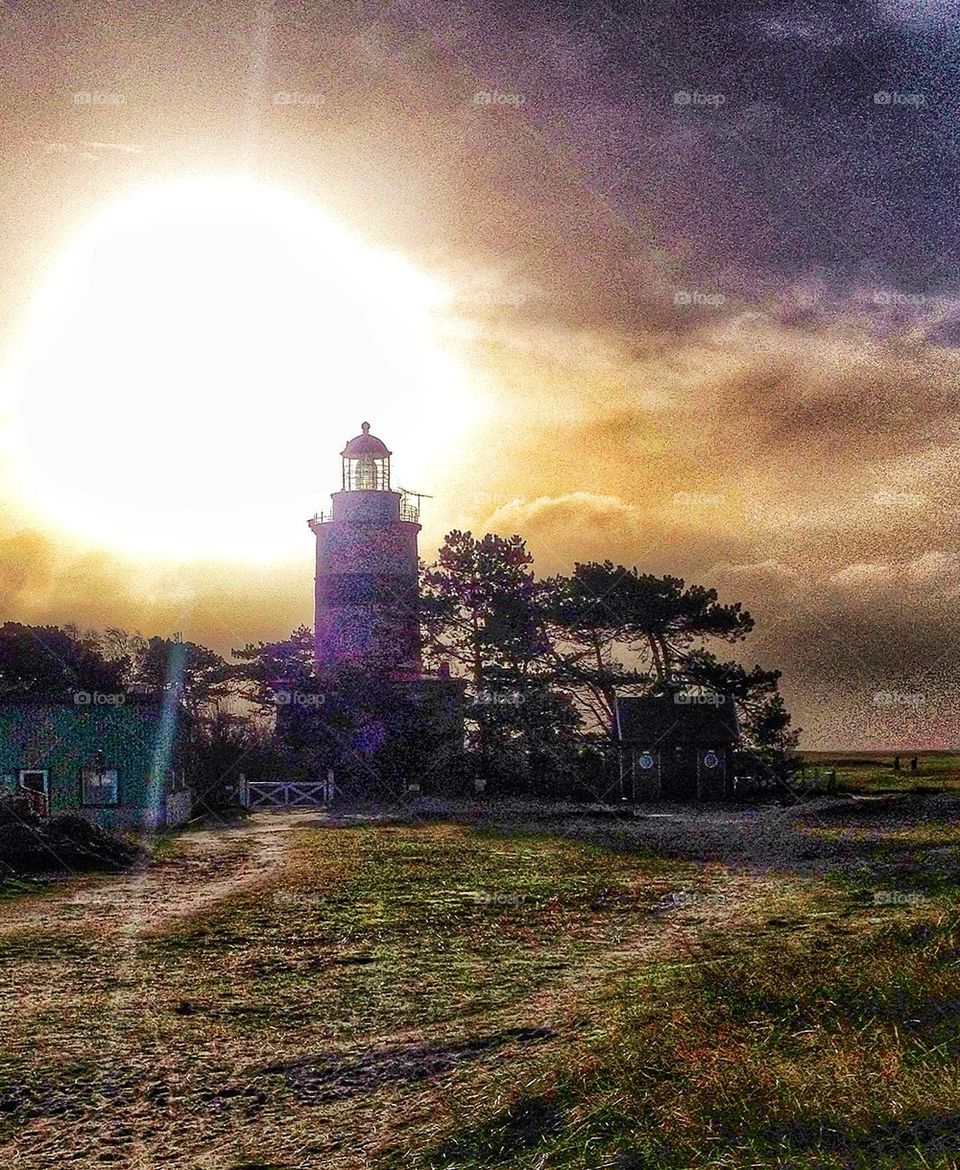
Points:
(34, 787)
(33, 781)
(99, 785)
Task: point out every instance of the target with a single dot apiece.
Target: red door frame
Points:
(38, 799)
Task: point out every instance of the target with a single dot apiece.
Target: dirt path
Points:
(204, 868)
(319, 1030)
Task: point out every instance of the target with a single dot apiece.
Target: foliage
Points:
(545, 660)
(199, 675)
(67, 841)
(216, 752)
(542, 660)
(55, 661)
(478, 606)
(268, 667)
(485, 613)
(614, 627)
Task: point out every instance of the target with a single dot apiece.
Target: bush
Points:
(30, 845)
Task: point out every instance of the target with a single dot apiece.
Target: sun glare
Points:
(196, 359)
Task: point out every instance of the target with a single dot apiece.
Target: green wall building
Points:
(113, 758)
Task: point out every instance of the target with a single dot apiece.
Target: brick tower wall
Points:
(367, 582)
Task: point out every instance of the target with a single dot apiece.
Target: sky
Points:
(673, 284)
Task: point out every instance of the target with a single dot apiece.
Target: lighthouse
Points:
(391, 726)
(367, 569)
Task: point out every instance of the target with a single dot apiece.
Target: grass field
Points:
(517, 987)
(864, 771)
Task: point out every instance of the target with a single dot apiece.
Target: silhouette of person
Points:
(913, 763)
(896, 763)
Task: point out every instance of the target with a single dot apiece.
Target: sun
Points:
(195, 360)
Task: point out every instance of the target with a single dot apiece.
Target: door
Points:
(645, 776)
(678, 770)
(712, 775)
(34, 787)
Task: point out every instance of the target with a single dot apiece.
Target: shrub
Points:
(30, 845)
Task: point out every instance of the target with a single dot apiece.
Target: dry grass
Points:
(871, 771)
(516, 994)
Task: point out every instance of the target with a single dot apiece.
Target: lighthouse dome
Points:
(367, 445)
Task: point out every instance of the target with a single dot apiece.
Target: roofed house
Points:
(113, 758)
(677, 745)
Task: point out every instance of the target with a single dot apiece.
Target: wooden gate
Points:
(286, 793)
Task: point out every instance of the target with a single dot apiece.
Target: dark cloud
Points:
(705, 259)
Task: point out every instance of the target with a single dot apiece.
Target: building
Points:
(367, 619)
(367, 568)
(111, 758)
(676, 745)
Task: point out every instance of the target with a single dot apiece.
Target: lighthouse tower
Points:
(367, 575)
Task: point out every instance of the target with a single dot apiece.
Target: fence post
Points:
(244, 792)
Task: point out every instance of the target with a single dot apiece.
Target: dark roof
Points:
(130, 698)
(677, 717)
(365, 444)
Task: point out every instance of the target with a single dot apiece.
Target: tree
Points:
(214, 753)
(116, 643)
(545, 660)
(590, 619)
(198, 674)
(615, 627)
(49, 660)
(481, 611)
(268, 667)
(764, 719)
(770, 736)
(478, 605)
(531, 732)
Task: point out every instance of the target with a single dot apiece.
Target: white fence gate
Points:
(286, 793)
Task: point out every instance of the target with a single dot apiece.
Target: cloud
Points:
(920, 14)
(821, 30)
(936, 574)
(46, 580)
(768, 579)
(795, 444)
(584, 525)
